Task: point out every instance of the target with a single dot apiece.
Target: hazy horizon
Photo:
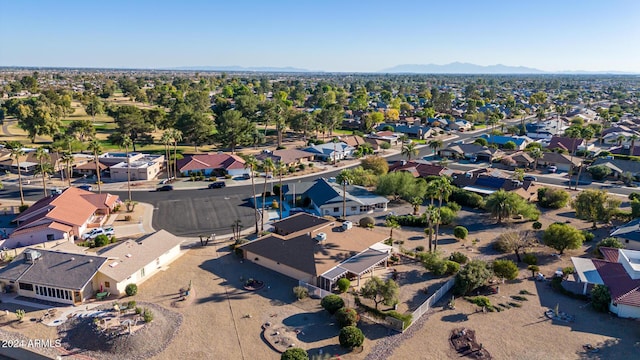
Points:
(331, 36)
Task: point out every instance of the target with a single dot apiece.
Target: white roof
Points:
(586, 271)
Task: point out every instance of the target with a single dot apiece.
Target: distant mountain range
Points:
(287, 69)
(468, 68)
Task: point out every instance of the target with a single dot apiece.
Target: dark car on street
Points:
(165, 188)
(217, 185)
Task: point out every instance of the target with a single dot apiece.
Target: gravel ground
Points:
(79, 335)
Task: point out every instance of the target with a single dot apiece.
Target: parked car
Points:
(217, 185)
(86, 187)
(56, 191)
(530, 178)
(246, 176)
(165, 188)
(98, 231)
(552, 169)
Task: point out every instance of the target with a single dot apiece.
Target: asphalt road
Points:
(208, 211)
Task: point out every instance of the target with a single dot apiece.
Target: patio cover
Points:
(479, 190)
(358, 264)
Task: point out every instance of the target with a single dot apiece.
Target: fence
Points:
(314, 291)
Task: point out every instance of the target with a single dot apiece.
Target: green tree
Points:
(346, 317)
(93, 106)
(81, 129)
(233, 129)
(251, 163)
(268, 167)
(380, 291)
(536, 154)
(96, 148)
(351, 337)
(599, 172)
(481, 142)
(594, 205)
(460, 232)
(43, 157)
(16, 152)
(131, 124)
(561, 236)
(344, 178)
(435, 145)
(197, 129)
(472, 276)
(401, 185)
(391, 224)
(166, 141)
(610, 242)
(126, 143)
(553, 198)
(600, 298)
(294, 354)
(409, 150)
(514, 241)
(505, 269)
(377, 164)
(510, 145)
(504, 204)
(332, 303)
(281, 169)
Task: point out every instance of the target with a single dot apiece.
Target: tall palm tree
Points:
(280, 168)
(345, 177)
(267, 166)
(166, 141)
(586, 134)
(126, 143)
(435, 145)
(536, 154)
(409, 150)
(67, 159)
(96, 148)
(16, 152)
(501, 204)
(176, 136)
(433, 216)
(41, 155)
(432, 190)
(251, 163)
(444, 191)
(620, 139)
(633, 139)
(393, 224)
(44, 170)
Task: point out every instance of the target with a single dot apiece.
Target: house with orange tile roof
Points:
(212, 164)
(64, 216)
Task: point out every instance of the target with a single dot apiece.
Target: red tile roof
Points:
(610, 254)
(210, 161)
(564, 143)
(418, 169)
(623, 289)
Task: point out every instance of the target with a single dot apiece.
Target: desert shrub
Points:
(506, 269)
(429, 260)
(466, 198)
(405, 318)
(23, 207)
(419, 248)
(537, 225)
(458, 257)
(460, 232)
(600, 298)
(351, 337)
(138, 310)
(276, 190)
(529, 259)
(451, 267)
(634, 196)
(367, 221)
(599, 172)
(385, 145)
(514, 304)
(447, 216)
(300, 292)
(101, 240)
(479, 300)
(228, 177)
(534, 269)
(332, 303)
(131, 289)
(475, 274)
(294, 354)
(127, 218)
(131, 305)
(343, 284)
(610, 242)
(20, 314)
(236, 246)
(302, 166)
(519, 298)
(568, 270)
(526, 292)
(552, 198)
(147, 315)
(346, 317)
(454, 206)
(588, 235)
(409, 220)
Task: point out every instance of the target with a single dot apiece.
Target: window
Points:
(50, 237)
(107, 284)
(158, 261)
(25, 286)
(353, 208)
(335, 209)
(142, 272)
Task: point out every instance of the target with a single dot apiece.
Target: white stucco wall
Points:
(33, 238)
(625, 311)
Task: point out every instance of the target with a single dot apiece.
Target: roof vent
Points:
(128, 255)
(73, 258)
(321, 237)
(347, 225)
(114, 264)
(31, 255)
(90, 260)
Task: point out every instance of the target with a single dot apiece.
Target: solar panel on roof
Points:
(490, 182)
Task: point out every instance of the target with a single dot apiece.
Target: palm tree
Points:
(409, 150)
(251, 163)
(444, 190)
(41, 155)
(16, 152)
(435, 145)
(126, 143)
(67, 159)
(44, 170)
(267, 166)
(536, 154)
(416, 202)
(393, 224)
(633, 139)
(345, 178)
(166, 141)
(620, 139)
(433, 216)
(96, 148)
(432, 190)
(281, 168)
(586, 134)
(176, 136)
(501, 205)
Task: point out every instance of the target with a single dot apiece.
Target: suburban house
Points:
(471, 151)
(419, 168)
(626, 150)
(325, 198)
(68, 274)
(217, 164)
(619, 271)
(89, 169)
(568, 144)
(146, 167)
(319, 251)
(331, 151)
(520, 141)
(561, 161)
(629, 234)
(460, 125)
(619, 166)
(63, 216)
(486, 183)
(412, 131)
(386, 136)
(519, 159)
(619, 137)
(545, 129)
(289, 157)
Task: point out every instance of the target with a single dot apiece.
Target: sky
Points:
(327, 35)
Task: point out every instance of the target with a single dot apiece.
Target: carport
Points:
(357, 265)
